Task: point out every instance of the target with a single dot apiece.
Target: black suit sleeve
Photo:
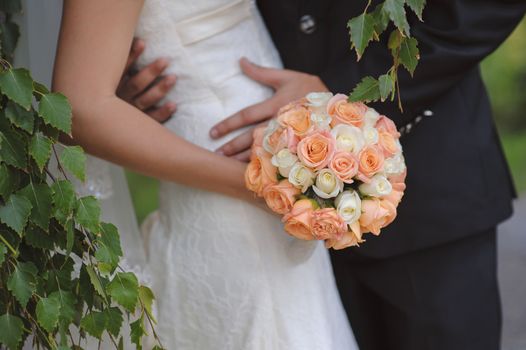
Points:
(454, 37)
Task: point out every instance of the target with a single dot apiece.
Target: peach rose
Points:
(298, 222)
(327, 224)
(349, 239)
(371, 161)
(317, 149)
(385, 124)
(282, 137)
(344, 165)
(389, 144)
(376, 214)
(398, 184)
(260, 172)
(258, 135)
(344, 112)
(297, 117)
(281, 197)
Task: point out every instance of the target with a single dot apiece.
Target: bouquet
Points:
(334, 169)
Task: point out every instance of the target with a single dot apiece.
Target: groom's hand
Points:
(145, 88)
(288, 85)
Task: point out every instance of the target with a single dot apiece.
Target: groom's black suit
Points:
(429, 281)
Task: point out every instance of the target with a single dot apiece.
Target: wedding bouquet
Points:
(334, 169)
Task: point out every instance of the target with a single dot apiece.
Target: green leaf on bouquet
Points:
(48, 313)
(87, 213)
(40, 149)
(55, 109)
(73, 159)
(38, 238)
(146, 297)
(17, 85)
(20, 117)
(361, 29)
(40, 197)
(395, 39)
(386, 85)
(63, 200)
(113, 320)
(409, 54)
(13, 149)
(11, 330)
(94, 323)
(137, 331)
(367, 90)
(124, 289)
(109, 251)
(15, 212)
(22, 282)
(396, 11)
(417, 6)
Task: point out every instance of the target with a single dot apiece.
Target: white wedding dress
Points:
(225, 274)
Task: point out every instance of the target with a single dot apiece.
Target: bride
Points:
(225, 274)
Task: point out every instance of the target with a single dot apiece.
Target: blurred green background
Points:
(505, 75)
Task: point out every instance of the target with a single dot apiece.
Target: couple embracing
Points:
(225, 274)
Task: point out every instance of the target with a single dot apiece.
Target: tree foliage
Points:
(46, 229)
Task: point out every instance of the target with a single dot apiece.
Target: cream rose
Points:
(301, 176)
(284, 160)
(348, 138)
(371, 117)
(370, 134)
(327, 184)
(378, 187)
(349, 206)
(394, 165)
(318, 99)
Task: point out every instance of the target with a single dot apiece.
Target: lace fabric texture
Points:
(225, 274)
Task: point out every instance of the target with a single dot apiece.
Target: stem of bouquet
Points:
(369, 26)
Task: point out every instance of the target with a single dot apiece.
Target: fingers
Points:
(137, 83)
(136, 50)
(248, 116)
(267, 76)
(163, 113)
(238, 145)
(243, 156)
(155, 94)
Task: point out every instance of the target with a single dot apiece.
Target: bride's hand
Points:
(289, 85)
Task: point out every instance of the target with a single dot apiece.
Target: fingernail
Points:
(219, 152)
(214, 133)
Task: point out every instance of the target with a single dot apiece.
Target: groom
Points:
(429, 281)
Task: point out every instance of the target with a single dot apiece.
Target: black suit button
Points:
(307, 24)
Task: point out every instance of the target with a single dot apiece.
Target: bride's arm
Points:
(94, 42)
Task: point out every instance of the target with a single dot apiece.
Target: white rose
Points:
(272, 126)
(371, 117)
(322, 120)
(301, 176)
(327, 184)
(394, 165)
(370, 134)
(378, 187)
(318, 99)
(349, 206)
(284, 160)
(348, 138)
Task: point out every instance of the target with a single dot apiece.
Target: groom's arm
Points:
(453, 38)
